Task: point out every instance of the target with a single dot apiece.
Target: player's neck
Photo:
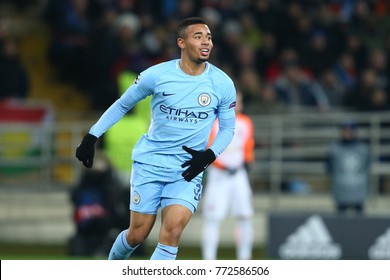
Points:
(192, 68)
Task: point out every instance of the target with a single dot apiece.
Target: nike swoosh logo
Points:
(167, 94)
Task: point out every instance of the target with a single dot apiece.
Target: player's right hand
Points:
(86, 150)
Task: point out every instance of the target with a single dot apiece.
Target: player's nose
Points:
(205, 42)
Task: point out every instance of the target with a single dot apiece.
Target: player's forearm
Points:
(117, 110)
(224, 136)
(110, 117)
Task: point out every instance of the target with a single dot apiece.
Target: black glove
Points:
(199, 162)
(86, 150)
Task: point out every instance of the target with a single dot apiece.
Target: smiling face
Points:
(196, 43)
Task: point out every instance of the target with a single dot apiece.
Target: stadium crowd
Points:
(283, 54)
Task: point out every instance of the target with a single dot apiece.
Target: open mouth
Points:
(204, 52)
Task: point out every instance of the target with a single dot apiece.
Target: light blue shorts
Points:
(153, 187)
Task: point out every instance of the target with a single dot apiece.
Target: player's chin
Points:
(203, 59)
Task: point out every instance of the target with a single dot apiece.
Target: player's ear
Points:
(180, 43)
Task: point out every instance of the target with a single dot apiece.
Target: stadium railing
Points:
(289, 148)
(293, 147)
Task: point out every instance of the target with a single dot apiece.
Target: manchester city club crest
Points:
(136, 198)
(204, 99)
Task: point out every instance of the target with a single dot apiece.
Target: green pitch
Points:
(59, 252)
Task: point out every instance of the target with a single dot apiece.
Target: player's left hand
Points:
(198, 163)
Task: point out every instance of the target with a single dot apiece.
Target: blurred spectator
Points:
(228, 190)
(274, 69)
(286, 56)
(250, 33)
(381, 7)
(265, 14)
(286, 27)
(213, 19)
(101, 208)
(377, 60)
(266, 102)
(154, 43)
(354, 46)
(345, 9)
(245, 57)
(333, 89)
(324, 18)
(371, 27)
(360, 15)
(230, 41)
(348, 166)
(117, 49)
(249, 81)
(14, 81)
(104, 49)
(303, 35)
(119, 140)
(113, 141)
(70, 24)
(267, 53)
(345, 71)
(94, 203)
(358, 97)
(318, 56)
(377, 101)
(130, 54)
(298, 92)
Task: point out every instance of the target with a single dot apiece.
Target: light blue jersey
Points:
(183, 109)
